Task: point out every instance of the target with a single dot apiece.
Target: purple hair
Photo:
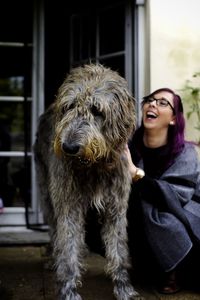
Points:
(176, 138)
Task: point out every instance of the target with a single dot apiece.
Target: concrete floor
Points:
(25, 275)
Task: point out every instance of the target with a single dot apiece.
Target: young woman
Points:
(164, 206)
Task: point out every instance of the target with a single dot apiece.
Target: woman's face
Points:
(160, 114)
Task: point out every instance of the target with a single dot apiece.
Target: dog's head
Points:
(95, 115)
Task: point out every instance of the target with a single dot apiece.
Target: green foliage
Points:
(191, 95)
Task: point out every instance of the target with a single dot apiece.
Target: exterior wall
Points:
(175, 47)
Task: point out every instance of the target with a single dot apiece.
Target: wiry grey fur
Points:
(78, 154)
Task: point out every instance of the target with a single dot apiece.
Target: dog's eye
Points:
(96, 112)
(71, 106)
(64, 109)
(67, 108)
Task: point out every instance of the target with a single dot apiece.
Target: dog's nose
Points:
(70, 148)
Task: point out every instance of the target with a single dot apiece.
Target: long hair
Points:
(176, 139)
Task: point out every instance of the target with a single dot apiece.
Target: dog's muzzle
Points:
(84, 161)
(73, 150)
(70, 149)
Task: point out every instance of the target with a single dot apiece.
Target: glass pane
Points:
(13, 118)
(84, 37)
(12, 86)
(76, 38)
(88, 40)
(14, 67)
(115, 63)
(112, 30)
(15, 181)
(16, 21)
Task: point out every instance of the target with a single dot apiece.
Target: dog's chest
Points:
(90, 179)
(95, 182)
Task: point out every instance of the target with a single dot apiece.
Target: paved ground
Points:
(24, 275)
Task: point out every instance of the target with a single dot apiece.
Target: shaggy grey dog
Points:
(79, 163)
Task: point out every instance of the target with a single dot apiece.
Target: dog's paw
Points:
(126, 291)
(138, 297)
(68, 292)
(71, 296)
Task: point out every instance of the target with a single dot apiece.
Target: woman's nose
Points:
(153, 103)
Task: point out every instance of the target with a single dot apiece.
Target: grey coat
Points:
(172, 232)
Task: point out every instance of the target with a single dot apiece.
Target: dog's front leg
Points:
(114, 235)
(68, 248)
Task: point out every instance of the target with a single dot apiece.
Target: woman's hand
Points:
(131, 166)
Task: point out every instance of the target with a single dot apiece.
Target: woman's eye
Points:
(163, 103)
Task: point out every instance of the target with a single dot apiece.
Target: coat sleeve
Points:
(183, 177)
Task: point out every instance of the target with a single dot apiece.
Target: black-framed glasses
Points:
(162, 102)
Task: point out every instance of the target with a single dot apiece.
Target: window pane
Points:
(84, 37)
(76, 38)
(15, 181)
(15, 64)
(88, 40)
(112, 30)
(12, 86)
(16, 21)
(115, 63)
(13, 118)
